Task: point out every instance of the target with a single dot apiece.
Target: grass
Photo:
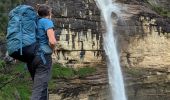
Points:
(16, 90)
(7, 93)
(65, 72)
(162, 11)
(159, 9)
(18, 87)
(24, 90)
(60, 71)
(82, 72)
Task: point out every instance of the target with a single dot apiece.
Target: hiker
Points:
(41, 69)
(30, 39)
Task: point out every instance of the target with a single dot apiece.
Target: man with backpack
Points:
(34, 39)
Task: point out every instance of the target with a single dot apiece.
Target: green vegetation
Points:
(67, 72)
(20, 90)
(5, 7)
(82, 72)
(163, 11)
(16, 82)
(59, 71)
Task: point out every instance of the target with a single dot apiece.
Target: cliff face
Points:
(146, 43)
(143, 41)
(150, 50)
(78, 30)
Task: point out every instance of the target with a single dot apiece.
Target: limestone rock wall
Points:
(143, 40)
(80, 38)
(77, 24)
(152, 48)
(148, 84)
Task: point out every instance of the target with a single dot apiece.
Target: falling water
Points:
(116, 83)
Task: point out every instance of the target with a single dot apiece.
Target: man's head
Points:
(44, 11)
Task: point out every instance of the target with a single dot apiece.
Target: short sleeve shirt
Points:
(43, 25)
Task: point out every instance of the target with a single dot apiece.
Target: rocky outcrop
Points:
(151, 48)
(80, 38)
(148, 84)
(83, 88)
(141, 84)
(143, 38)
(143, 42)
(78, 30)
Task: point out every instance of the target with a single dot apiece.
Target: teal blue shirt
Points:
(43, 25)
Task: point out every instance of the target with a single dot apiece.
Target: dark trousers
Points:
(40, 72)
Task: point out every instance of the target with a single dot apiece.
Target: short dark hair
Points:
(44, 10)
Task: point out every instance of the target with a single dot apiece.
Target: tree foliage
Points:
(5, 7)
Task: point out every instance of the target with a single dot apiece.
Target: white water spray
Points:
(116, 83)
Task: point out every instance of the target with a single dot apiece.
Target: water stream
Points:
(108, 7)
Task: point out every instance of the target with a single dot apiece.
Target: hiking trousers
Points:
(40, 74)
(40, 71)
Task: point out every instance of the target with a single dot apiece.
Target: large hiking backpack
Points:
(21, 32)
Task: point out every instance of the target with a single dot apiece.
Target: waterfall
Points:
(116, 83)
